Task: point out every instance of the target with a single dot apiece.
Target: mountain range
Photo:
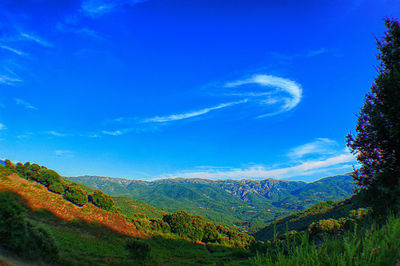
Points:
(245, 204)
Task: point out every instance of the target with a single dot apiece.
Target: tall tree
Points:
(377, 142)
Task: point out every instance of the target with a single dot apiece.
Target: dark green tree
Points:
(20, 169)
(159, 225)
(10, 165)
(56, 188)
(101, 200)
(48, 177)
(186, 225)
(377, 142)
(210, 233)
(76, 195)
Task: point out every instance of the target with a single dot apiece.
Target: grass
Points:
(130, 207)
(379, 245)
(92, 244)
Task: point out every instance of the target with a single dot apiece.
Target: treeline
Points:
(55, 183)
(194, 228)
(191, 227)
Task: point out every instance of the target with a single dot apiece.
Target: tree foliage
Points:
(101, 200)
(186, 225)
(76, 195)
(210, 233)
(377, 142)
(56, 188)
(159, 226)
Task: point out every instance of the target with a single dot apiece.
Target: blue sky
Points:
(164, 88)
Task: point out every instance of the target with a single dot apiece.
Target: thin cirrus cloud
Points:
(283, 94)
(98, 8)
(57, 134)
(2, 126)
(175, 117)
(328, 158)
(113, 133)
(35, 39)
(342, 161)
(8, 80)
(317, 147)
(25, 104)
(13, 50)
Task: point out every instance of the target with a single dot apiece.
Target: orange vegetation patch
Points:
(38, 197)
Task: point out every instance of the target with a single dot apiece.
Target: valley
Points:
(244, 204)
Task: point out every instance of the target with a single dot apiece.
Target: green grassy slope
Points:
(131, 207)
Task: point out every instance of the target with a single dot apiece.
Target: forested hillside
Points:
(248, 204)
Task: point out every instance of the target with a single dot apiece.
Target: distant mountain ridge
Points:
(243, 203)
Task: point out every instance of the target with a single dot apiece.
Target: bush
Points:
(138, 248)
(186, 225)
(101, 200)
(47, 177)
(76, 195)
(141, 224)
(210, 233)
(9, 165)
(56, 188)
(330, 226)
(159, 225)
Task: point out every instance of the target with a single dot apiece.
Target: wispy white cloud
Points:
(57, 134)
(13, 50)
(330, 159)
(2, 127)
(25, 104)
(260, 91)
(342, 161)
(284, 91)
(113, 133)
(8, 80)
(317, 147)
(97, 8)
(36, 39)
(175, 117)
